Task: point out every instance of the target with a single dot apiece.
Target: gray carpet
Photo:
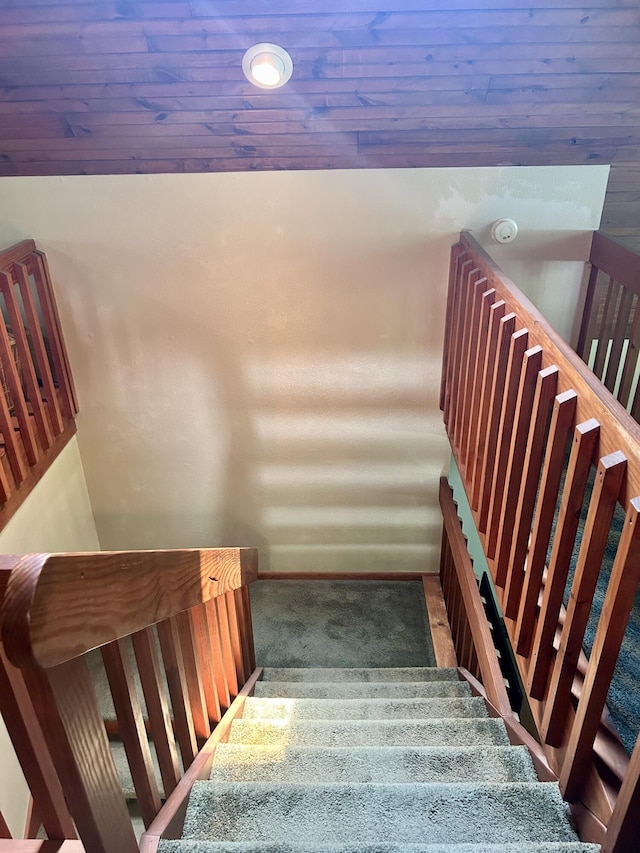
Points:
(330, 784)
(340, 623)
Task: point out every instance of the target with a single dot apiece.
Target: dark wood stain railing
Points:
(609, 338)
(38, 401)
(187, 615)
(514, 396)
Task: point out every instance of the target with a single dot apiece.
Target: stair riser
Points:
(337, 814)
(389, 765)
(363, 709)
(369, 733)
(357, 690)
(390, 674)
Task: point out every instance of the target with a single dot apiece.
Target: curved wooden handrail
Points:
(59, 606)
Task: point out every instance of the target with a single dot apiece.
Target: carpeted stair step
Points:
(258, 847)
(448, 732)
(391, 765)
(363, 709)
(364, 690)
(407, 673)
(337, 814)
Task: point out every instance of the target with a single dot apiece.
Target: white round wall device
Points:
(504, 230)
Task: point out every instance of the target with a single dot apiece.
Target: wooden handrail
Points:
(513, 395)
(59, 606)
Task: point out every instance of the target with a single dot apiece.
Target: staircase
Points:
(372, 761)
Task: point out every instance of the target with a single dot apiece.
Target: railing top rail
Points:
(16, 254)
(59, 606)
(619, 431)
(616, 260)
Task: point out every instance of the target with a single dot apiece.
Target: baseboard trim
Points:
(342, 576)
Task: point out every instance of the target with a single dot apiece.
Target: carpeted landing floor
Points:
(340, 623)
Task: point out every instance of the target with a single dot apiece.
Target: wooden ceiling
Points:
(120, 86)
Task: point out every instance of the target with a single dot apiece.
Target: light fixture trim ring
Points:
(273, 50)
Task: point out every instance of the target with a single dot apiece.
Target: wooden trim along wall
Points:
(38, 402)
(523, 413)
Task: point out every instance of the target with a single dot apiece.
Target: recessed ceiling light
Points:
(267, 65)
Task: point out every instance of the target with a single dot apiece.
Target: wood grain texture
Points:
(443, 649)
(551, 85)
(611, 470)
(619, 599)
(29, 743)
(59, 606)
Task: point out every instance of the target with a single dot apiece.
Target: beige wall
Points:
(55, 517)
(258, 355)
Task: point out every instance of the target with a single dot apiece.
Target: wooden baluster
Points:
(517, 348)
(516, 542)
(618, 603)
(242, 625)
(197, 701)
(26, 362)
(37, 342)
(496, 313)
(248, 627)
(507, 325)
(582, 451)
(606, 327)
(606, 489)
(66, 706)
(9, 437)
(631, 358)
(132, 729)
(515, 470)
(452, 330)
(201, 634)
(477, 285)
(456, 251)
(470, 430)
(217, 659)
(228, 660)
(562, 420)
(39, 268)
(155, 696)
(236, 640)
(20, 409)
(587, 325)
(623, 829)
(466, 269)
(619, 335)
(31, 749)
(178, 690)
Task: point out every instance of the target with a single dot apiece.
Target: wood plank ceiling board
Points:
(136, 86)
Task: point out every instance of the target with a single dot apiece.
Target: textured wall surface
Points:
(258, 355)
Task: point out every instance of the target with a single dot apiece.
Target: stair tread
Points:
(363, 708)
(436, 732)
(357, 689)
(233, 762)
(366, 674)
(335, 813)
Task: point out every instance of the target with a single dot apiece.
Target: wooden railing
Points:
(174, 620)
(37, 397)
(515, 397)
(609, 338)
